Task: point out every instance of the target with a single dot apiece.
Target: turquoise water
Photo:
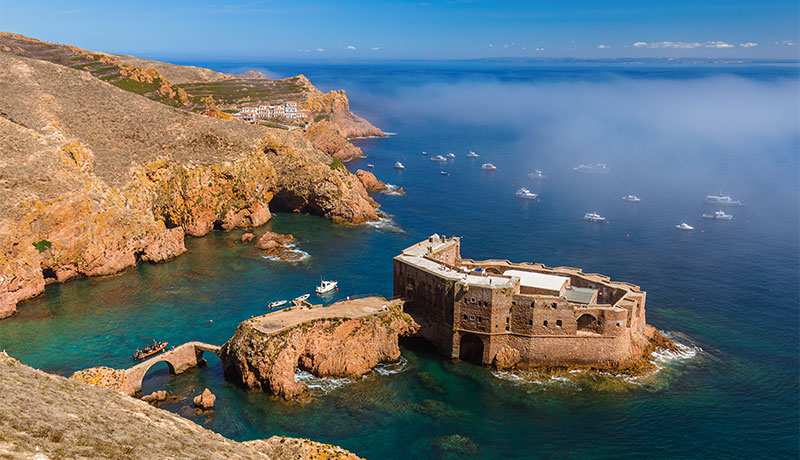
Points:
(729, 290)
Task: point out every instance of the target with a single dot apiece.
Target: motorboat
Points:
(276, 304)
(537, 175)
(149, 350)
(525, 193)
(424, 153)
(302, 298)
(597, 168)
(718, 215)
(684, 226)
(722, 200)
(488, 167)
(472, 154)
(632, 198)
(399, 165)
(444, 173)
(593, 217)
(439, 158)
(371, 166)
(451, 155)
(326, 286)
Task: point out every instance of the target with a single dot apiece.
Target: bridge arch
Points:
(471, 349)
(178, 360)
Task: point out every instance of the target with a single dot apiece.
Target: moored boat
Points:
(276, 304)
(718, 215)
(302, 298)
(149, 350)
(593, 217)
(684, 226)
(326, 286)
(525, 193)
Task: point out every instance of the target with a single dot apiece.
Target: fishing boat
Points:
(370, 166)
(472, 154)
(597, 168)
(451, 155)
(684, 226)
(302, 298)
(439, 158)
(276, 304)
(326, 286)
(632, 198)
(488, 167)
(718, 215)
(149, 350)
(525, 193)
(593, 217)
(537, 175)
(399, 165)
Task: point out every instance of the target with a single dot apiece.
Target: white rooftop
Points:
(538, 280)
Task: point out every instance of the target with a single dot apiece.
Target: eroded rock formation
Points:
(346, 339)
(205, 400)
(103, 377)
(369, 181)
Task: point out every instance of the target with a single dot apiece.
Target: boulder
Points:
(369, 181)
(205, 400)
(156, 396)
(247, 237)
(272, 240)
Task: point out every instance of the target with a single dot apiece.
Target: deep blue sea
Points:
(728, 290)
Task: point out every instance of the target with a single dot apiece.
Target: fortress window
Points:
(507, 320)
(506, 326)
(545, 323)
(472, 317)
(553, 305)
(530, 322)
(533, 304)
(558, 323)
(472, 300)
(617, 323)
(465, 316)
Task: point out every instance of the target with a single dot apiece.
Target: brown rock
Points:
(272, 240)
(156, 396)
(205, 400)
(247, 237)
(506, 358)
(281, 447)
(103, 377)
(369, 181)
(325, 137)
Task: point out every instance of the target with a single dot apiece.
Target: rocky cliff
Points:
(45, 416)
(346, 339)
(94, 179)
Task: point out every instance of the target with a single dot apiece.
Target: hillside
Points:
(94, 179)
(46, 416)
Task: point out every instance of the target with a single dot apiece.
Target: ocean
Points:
(728, 291)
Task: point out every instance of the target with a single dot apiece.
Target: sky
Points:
(398, 29)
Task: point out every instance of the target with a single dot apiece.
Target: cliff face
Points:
(265, 356)
(94, 179)
(335, 107)
(47, 416)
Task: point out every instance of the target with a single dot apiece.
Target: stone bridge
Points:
(179, 359)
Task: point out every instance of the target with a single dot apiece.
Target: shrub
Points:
(42, 245)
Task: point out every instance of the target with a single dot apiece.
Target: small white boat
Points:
(451, 155)
(424, 153)
(439, 158)
(525, 193)
(593, 217)
(718, 215)
(488, 167)
(632, 198)
(276, 304)
(444, 173)
(472, 154)
(537, 175)
(399, 165)
(684, 226)
(370, 166)
(326, 286)
(597, 168)
(722, 200)
(302, 298)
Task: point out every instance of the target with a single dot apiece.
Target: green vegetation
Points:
(110, 77)
(336, 164)
(83, 66)
(104, 69)
(42, 245)
(321, 117)
(136, 86)
(240, 92)
(273, 125)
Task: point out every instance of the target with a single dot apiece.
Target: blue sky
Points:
(396, 29)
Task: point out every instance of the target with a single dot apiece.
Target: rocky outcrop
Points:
(48, 416)
(272, 240)
(247, 237)
(205, 400)
(369, 181)
(156, 396)
(335, 108)
(252, 75)
(346, 339)
(103, 377)
(94, 179)
(278, 447)
(324, 136)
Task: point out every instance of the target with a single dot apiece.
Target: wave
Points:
(385, 223)
(290, 254)
(392, 190)
(318, 386)
(392, 368)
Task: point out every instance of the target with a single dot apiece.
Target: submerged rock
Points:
(205, 400)
(346, 339)
(456, 444)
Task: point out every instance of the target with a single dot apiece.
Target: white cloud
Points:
(375, 48)
(602, 47)
(785, 42)
(304, 51)
(539, 49)
(350, 47)
(748, 45)
(718, 44)
(321, 50)
(678, 45)
(491, 45)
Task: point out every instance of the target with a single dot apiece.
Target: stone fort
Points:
(500, 313)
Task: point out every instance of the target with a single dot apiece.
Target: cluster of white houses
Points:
(285, 110)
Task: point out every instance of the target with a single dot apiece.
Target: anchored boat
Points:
(472, 154)
(525, 193)
(597, 168)
(684, 226)
(632, 198)
(593, 217)
(722, 200)
(399, 165)
(302, 298)
(718, 215)
(326, 286)
(488, 167)
(537, 175)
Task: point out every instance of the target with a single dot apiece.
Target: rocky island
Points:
(106, 163)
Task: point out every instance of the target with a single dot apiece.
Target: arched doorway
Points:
(587, 322)
(471, 349)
